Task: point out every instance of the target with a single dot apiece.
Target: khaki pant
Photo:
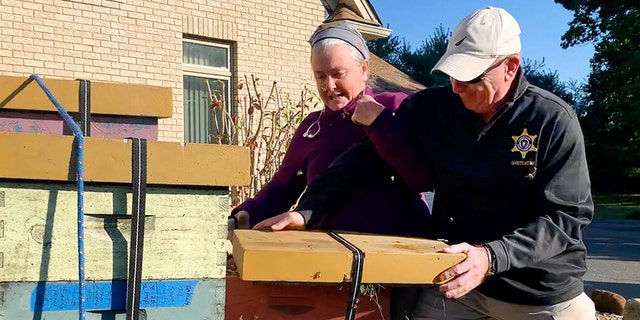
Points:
(432, 305)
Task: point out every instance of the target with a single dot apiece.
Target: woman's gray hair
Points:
(328, 42)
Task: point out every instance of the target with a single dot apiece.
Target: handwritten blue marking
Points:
(111, 295)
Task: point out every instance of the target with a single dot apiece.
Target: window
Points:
(206, 72)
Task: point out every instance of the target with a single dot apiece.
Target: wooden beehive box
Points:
(310, 256)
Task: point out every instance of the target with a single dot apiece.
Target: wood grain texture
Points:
(402, 260)
(52, 157)
(308, 256)
(20, 93)
(185, 232)
(250, 300)
(290, 256)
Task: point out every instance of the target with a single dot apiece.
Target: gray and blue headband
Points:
(345, 32)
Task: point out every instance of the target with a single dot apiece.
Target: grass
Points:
(617, 206)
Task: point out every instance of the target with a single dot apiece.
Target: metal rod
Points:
(79, 141)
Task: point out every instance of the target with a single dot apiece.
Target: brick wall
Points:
(140, 41)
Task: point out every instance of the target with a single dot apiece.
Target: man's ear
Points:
(512, 66)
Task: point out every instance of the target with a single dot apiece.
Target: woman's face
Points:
(338, 75)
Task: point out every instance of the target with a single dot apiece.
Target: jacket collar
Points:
(521, 87)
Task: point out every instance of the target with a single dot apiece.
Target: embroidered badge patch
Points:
(524, 143)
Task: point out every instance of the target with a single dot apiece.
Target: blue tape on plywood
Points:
(111, 295)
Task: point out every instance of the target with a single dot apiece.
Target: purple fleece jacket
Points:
(307, 157)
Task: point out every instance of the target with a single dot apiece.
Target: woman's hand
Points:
(287, 220)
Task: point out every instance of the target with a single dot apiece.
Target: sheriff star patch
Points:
(524, 143)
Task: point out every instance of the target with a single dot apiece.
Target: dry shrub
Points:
(263, 123)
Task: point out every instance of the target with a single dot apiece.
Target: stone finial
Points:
(607, 301)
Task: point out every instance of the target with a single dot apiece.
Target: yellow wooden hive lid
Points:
(313, 256)
(34, 156)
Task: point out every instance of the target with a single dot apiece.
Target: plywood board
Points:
(22, 93)
(52, 157)
(304, 301)
(290, 256)
(185, 232)
(402, 260)
(115, 127)
(307, 256)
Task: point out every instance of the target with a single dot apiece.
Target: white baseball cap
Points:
(477, 41)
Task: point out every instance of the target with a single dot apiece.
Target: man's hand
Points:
(367, 111)
(287, 220)
(466, 275)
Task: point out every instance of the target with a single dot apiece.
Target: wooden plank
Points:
(295, 256)
(19, 93)
(252, 300)
(52, 157)
(115, 127)
(130, 99)
(306, 256)
(402, 260)
(185, 234)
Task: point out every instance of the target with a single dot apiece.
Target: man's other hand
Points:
(466, 275)
(367, 111)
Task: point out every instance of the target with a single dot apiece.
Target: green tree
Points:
(415, 63)
(539, 75)
(387, 49)
(612, 119)
(418, 63)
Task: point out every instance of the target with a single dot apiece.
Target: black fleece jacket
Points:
(519, 183)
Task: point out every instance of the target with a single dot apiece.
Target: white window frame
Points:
(210, 72)
(199, 70)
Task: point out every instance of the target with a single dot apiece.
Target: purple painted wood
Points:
(101, 126)
(31, 122)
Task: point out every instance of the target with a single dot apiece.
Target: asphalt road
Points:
(613, 257)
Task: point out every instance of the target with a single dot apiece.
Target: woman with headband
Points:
(340, 63)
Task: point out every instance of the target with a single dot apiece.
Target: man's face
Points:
(338, 75)
(481, 95)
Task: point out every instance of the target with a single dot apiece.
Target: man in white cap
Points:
(511, 180)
